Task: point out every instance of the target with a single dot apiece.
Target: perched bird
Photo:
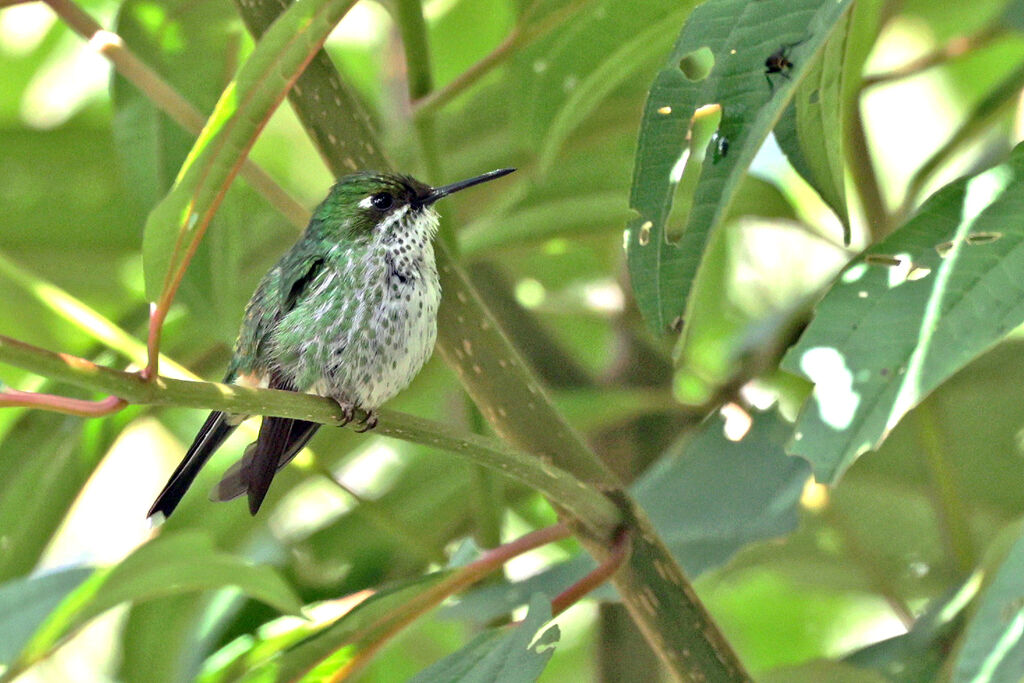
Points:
(349, 312)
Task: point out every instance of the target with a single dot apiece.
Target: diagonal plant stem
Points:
(653, 587)
(169, 100)
(599, 514)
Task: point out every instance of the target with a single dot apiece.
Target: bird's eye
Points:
(382, 201)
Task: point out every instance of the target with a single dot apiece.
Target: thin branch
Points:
(459, 580)
(413, 29)
(952, 50)
(12, 398)
(516, 39)
(600, 515)
(618, 553)
(862, 171)
(170, 101)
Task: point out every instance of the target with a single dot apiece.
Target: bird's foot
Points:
(369, 421)
(348, 412)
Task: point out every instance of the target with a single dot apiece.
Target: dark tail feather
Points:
(235, 481)
(212, 434)
(279, 440)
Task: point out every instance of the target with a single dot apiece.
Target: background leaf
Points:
(888, 333)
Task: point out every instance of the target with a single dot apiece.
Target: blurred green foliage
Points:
(908, 568)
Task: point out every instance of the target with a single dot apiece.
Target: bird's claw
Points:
(348, 414)
(369, 421)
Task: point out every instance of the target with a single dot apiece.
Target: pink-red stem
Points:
(12, 398)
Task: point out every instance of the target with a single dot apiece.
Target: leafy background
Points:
(907, 569)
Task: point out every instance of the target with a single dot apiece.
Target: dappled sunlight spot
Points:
(102, 41)
(23, 27)
(833, 390)
(737, 421)
(530, 293)
(665, 111)
(374, 470)
(575, 625)
(556, 247)
(604, 297)
(329, 611)
(79, 364)
(62, 86)
(854, 273)
(881, 625)
(366, 24)
(306, 508)
(529, 564)
(918, 273)
(897, 274)
(108, 521)
(815, 496)
(758, 395)
(963, 597)
(983, 189)
(862, 294)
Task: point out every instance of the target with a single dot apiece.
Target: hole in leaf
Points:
(698, 64)
(983, 238)
(882, 260)
(687, 170)
(644, 237)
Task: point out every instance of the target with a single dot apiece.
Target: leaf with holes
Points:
(745, 57)
(909, 313)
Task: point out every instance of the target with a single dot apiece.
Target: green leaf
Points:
(36, 492)
(993, 643)
(610, 73)
(26, 602)
(708, 497)
(919, 654)
(811, 129)
(886, 335)
(741, 35)
(176, 225)
(341, 647)
(499, 655)
(182, 563)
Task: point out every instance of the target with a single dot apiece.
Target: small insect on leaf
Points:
(779, 62)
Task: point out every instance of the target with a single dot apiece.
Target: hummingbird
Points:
(349, 312)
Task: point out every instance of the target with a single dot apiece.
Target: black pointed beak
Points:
(445, 190)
